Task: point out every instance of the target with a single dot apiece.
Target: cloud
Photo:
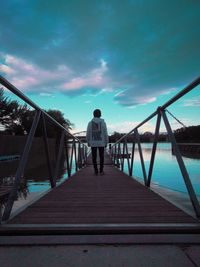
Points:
(127, 126)
(93, 79)
(143, 51)
(194, 102)
(30, 77)
(46, 94)
(135, 98)
(122, 127)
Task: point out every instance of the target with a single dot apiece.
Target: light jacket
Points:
(97, 135)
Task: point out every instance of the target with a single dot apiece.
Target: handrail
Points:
(79, 154)
(17, 92)
(183, 92)
(160, 112)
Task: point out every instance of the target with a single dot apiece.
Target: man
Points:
(97, 138)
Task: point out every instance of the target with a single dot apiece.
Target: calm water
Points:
(39, 185)
(166, 172)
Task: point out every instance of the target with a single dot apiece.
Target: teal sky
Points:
(124, 57)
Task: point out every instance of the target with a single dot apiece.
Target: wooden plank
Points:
(102, 220)
(128, 228)
(114, 198)
(94, 239)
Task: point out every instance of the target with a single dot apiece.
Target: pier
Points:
(110, 209)
(113, 203)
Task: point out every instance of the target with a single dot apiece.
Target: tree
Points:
(17, 119)
(10, 114)
(115, 136)
(188, 134)
(53, 130)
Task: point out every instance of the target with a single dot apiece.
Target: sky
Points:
(125, 57)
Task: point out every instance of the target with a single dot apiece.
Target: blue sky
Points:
(124, 57)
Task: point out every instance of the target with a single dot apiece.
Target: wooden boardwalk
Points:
(114, 200)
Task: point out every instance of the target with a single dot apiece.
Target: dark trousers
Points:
(94, 158)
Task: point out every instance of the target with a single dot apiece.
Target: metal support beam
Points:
(128, 161)
(46, 145)
(71, 158)
(115, 155)
(60, 151)
(75, 156)
(119, 155)
(154, 149)
(21, 167)
(123, 155)
(141, 157)
(183, 92)
(182, 167)
(79, 156)
(132, 158)
(67, 156)
(85, 154)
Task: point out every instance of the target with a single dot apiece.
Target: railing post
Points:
(132, 156)
(21, 167)
(154, 149)
(111, 152)
(123, 155)
(119, 155)
(67, 156)
(182, 167)
(71, 158)
(85, 154)
(45, 138)
(128, 161)
(141, 156)
(58, 158)
(82, 156)
(79, 156)
(75, 156)
(115, 155)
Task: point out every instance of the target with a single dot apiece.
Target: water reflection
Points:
(33, 179)
(7, 183)
(36, 178)
(166, 171)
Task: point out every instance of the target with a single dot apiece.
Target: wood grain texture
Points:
(112, 198)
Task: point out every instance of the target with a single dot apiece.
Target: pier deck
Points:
(112, 201)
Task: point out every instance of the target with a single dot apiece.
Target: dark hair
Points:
(97, 113)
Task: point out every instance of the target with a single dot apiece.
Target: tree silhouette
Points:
(188, 134)
(17, 119)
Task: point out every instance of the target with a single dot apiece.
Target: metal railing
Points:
(78, 151)
(119, 151)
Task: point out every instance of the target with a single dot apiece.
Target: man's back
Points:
(97, 138)
(97, 133)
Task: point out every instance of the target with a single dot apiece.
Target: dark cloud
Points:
(149, 46)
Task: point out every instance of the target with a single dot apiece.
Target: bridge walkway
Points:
(109, 202)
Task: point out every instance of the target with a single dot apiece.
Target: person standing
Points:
(97, 139)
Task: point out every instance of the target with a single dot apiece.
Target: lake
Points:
(166, 172)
